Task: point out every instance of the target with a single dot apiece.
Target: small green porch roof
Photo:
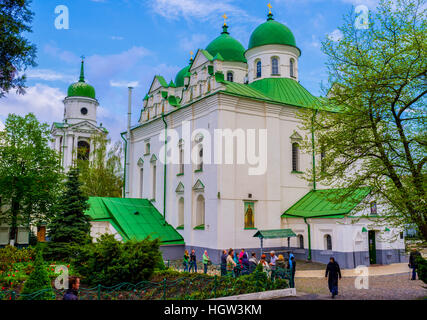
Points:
(133, 219)
(274, 234)
(323, 203)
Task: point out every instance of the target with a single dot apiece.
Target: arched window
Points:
(328, 242)
(181, 156)
(258, 69)
(274, 66)
(230, 76)
(83, 150)
(291, 68)
(295, 157)
(147, 148)
(199, 141)
(181, 212)
(200, 212)
(301, 241)
(200, 165)
(322, 158)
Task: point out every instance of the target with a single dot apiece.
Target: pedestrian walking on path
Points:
(333, 271)
(186, 261)
(206, 261)
(73, 292)
(230, 261)
(413, 256)
(224, 263)
(193, 261)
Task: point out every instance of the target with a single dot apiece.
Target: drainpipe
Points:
(127, 153)
(124, 173)
(314, 180)
(309, 239)
(165, 167)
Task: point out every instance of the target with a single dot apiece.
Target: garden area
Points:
(112, 270)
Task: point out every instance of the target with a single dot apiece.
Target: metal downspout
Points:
(124, 173)
(165, 167)
(309, 239)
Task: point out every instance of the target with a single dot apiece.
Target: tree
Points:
(38, 285)
(70, 227)
(375, 132)
(16, 52)
(101, 176)
(30, 173)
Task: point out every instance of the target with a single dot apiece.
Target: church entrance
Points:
(83, 149)
(372, 247)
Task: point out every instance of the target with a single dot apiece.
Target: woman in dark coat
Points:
(333, 270)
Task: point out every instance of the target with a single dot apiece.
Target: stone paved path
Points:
(386, 287)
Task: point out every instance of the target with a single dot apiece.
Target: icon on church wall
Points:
(249, 215)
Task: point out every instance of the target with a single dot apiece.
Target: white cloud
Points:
(198, 9)
(124, 84)
(49, 75)
(195, 42)
(62, 55)
(335, 35)
(44, 101)
(371, 4)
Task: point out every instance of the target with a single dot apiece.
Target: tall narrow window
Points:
(322, 158)
(291, 67)
(274, 66)
(141, 183)
(83, 150)
(230, 76)
(181, 156)
(154, 172)
(181, 213)
(200, 165)
(295, 157)
(258, 69)
(301, 241)
(373, 208)
(200, 213)
(328, 242)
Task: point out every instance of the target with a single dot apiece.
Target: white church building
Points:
(253, 93)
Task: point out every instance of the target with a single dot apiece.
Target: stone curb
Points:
(265, 295)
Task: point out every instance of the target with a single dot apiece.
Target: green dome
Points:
(229, 48)
(179, 79)
(271, 32)
(81, 88)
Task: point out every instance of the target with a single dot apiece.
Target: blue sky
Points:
(133, 40)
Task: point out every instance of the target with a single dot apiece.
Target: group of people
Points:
(190, 261)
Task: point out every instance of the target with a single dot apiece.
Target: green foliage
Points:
(109, 262)
(377, 90)
(30, 173)
(101, 176)
(38, 281)
(10, 255)
(70, 227)
(422, 268)
(16, 52)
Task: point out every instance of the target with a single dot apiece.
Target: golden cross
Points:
(269, 7)
(191, 53)
(225, 19)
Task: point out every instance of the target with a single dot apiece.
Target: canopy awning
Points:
(275, 234)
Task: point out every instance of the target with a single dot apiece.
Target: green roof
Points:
(59, 125)
(271, 32)
(162, 81)
(133, 219)
(282, 90)
(81, 88)
(229, 48)
(275, 234)
(286, 90)
(323, 203)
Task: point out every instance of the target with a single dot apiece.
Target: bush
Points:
(37, 281)
(110, 262)
(10, 255)
(422, 269)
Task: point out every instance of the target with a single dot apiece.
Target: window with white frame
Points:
(295, 157)
(230, 76)
(328, 242)
(292, 68)
(258, 69)
(274, 66)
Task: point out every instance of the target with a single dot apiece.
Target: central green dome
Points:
(229, 48)
(81, 88)
(271, 32)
